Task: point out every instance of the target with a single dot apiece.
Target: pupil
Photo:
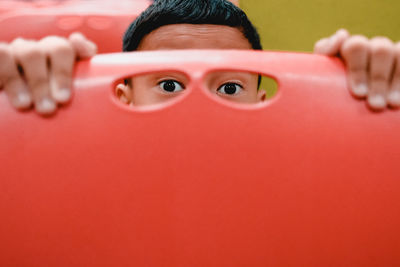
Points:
(230, 89)
(169, 86)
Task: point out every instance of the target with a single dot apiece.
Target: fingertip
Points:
(62, 95)
(76, 36)
(22, 101)
(359, 90)
(343, 32)
(45, 106)
(18, 94)
(394, 99)
(321, 47)
(342, 36)
(377, 102)
(331, 46)
(91, 49)
(84, 47)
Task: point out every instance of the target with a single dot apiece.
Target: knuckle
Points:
(39, 87)
(357, 40)
(9, 77)
(379, 77)
(62, 49)
(31, 51)
(5, 53)
(18, 41)
(356, 43)
(52, 39)
(358, 73)
(4, 48)
(382, 45)
(63, 74)
(38, 82)
(56, 45)
(381, 39)
(8, 67)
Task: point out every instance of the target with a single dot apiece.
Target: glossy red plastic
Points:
(102, 21)
(309, 179)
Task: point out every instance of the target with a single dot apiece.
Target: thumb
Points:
(82, 46)
(331, 46)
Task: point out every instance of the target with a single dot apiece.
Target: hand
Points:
(40, 72)
(373, 66)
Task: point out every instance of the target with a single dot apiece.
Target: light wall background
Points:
(297, 25)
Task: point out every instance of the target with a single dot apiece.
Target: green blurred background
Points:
(297, 25)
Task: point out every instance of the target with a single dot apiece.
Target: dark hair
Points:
(167, 12)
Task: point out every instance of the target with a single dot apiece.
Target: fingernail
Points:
(394, 98)
(63, 95)
(23, 100)
(321, 47)
(93, 48)
(377, 101)
(360, 90)
(341, 32)
(46, 105)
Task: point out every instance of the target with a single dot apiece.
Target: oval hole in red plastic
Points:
(152, 90)
(240, 87)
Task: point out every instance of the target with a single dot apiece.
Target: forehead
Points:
(191, 36)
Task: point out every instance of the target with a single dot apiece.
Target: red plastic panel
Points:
(103, 22)
(310, 179)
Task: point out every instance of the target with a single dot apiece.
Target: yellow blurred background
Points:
(297, 25)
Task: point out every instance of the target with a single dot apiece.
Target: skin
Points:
(28, 79)
(151, 89)
(373, 66)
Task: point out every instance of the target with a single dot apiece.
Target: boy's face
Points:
(160, 87)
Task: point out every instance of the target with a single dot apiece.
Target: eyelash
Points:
(182, 87)
(238, 87)
(231, 83)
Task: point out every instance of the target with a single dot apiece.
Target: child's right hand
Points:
(40, 72)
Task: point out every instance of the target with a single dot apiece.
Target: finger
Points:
(62, 57)
(394, 90)
(355, 52)
(331, 46)
(11, 80)
(34, 64)
(381, 68)
(82, 46)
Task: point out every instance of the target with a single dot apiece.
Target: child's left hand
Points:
(373, 66)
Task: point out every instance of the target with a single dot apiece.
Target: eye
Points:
(230, 89)
(171, 86)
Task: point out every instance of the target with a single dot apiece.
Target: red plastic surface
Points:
(310, 179)
(103, 22)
